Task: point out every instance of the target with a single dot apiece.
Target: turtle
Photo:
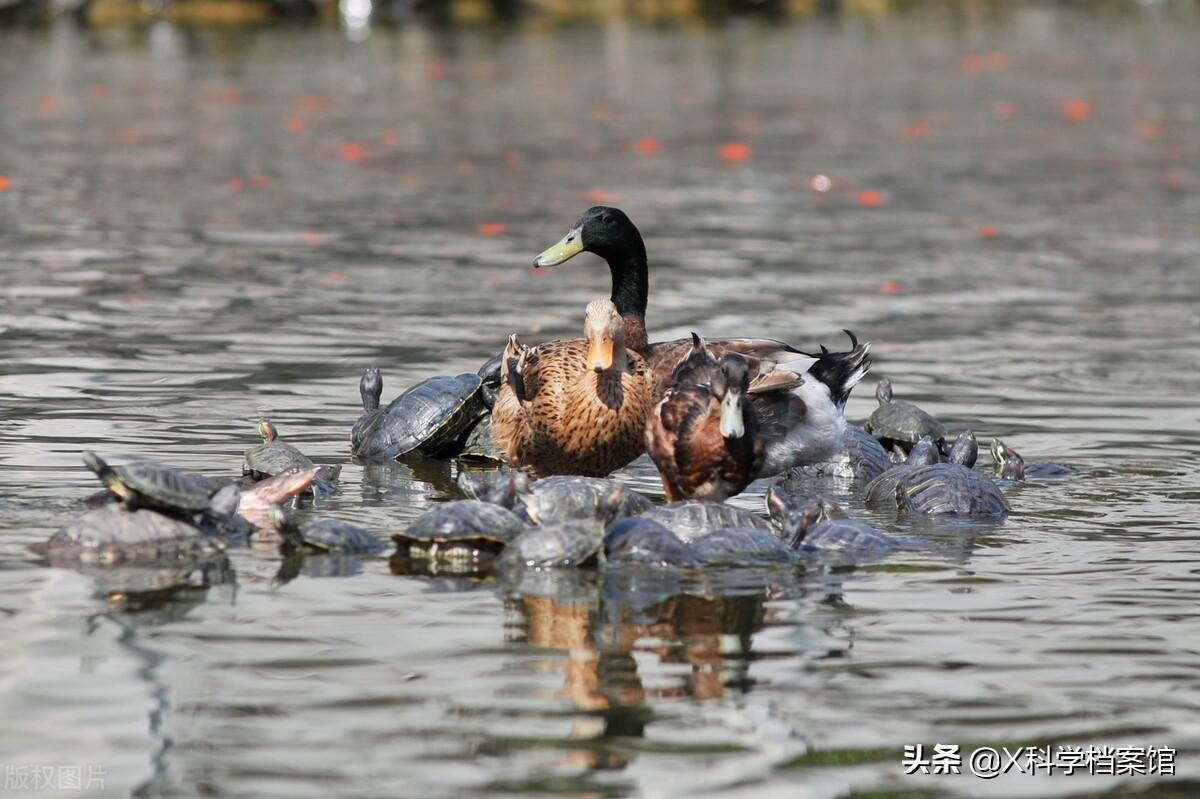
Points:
(146, 484)
(821, 525)
(563, 543)
(951, 488)
(902, 423)
(693, 519)
(489, 374)
(273, 456)
(114, 534)
(568, 497)
(636, 540)
(741, 546)
(478, 447)
(431, 418)
(503, 488)
(861, 457)
(324, 535)
(459, 533)
(1013, 467)
(882, 490)
(368, 437)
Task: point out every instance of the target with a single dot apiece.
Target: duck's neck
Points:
(630, 290)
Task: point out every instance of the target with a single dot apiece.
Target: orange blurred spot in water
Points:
(98, 92)
(295, 125)
(1148, 130)
(352, 151)
(492, 229)
(889, 287)
(986, 232)
(48, 104)
(5, 183)
(236, 184)
(260, 181)
(435, 69)
(918, 131)
(1003, 109)
(869, 198)
(408, 178)
(647, 145)
(389, 138)
(1076, 110)
(332, 276)
(312, 102)
(511, 157)
(601, 197)
(314, 238)
(228, 95)
(734, 152)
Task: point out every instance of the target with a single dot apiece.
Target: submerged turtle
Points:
(273, 456)
(692, 519)
(822, 526)
(568, 497)
(432, 417)
(459, 533)
(861, 457)
(951, 488)
(899, 422)
(324, 535)
(1013, 467)
(573, 541)
(113, 534)
(882, 490)
(637, 540)
(741, 546)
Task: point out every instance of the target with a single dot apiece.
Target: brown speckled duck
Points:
(573, 407)
(703, 435)
(800, 416)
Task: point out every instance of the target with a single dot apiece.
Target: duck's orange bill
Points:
(600, 353)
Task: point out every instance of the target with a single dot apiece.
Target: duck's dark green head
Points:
(602, 230)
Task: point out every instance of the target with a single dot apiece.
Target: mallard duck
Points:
(799, 397)
(703, 435)
(573, 407)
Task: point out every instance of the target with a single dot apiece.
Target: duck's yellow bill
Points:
(600, 353)
(570, 246)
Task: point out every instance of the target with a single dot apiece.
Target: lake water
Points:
(198, 227)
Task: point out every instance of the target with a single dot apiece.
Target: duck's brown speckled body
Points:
(558, 413)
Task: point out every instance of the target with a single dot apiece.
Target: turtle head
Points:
(610, 504)
(780, 506)
(818, 510)
(604, 330)
(965, 450)
(267, 430)
(1013, 466)
(923, 453)
(602, 230)
(883, 391)
(370, 388)
(999, 451)
(94, 463)
(729, 385)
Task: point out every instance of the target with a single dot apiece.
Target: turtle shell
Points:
(114, 535)
(847, 535)
(154, 485)
(741, 546)
(274, 457)
(641, 541)
(572, 497)
(465, 529)
(691, 519)
(861, 457)
(478, 447)
(432, 417)
(331, 535)
(881, 492)
(574, 543)
(904, 422)
(949, 488)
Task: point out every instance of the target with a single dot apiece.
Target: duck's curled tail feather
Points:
(841, 371)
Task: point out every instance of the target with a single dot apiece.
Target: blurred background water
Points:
(202, 224)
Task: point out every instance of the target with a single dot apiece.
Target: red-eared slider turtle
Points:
(899, 422)
(576, 541)
(431, 418)
(113, 534)
(146, 484)
(569, 497)
(693, 519)
(882, 490)
(478, 447)
(459, 533)
(1013, 467)
(861, 457)
(951, 488)
(821, 525)
(639, 541)
(741, 546)
(324, 535)
(503, 488)
(368, 437)
(273, 456)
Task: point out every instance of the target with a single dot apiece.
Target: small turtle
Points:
(569, 543)
(637, 540)
(478, 447)
(146, 484)
(113, 534)
(1013, 467)
(882, 490)
(569, 497)
(503, 488)
(861, 457)
(461, 532)
(324, 535)
(899, 422)
(431, 418)
(741, 546)
(821, 525)
(951, 488)
(273, 456)
(692, 519)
